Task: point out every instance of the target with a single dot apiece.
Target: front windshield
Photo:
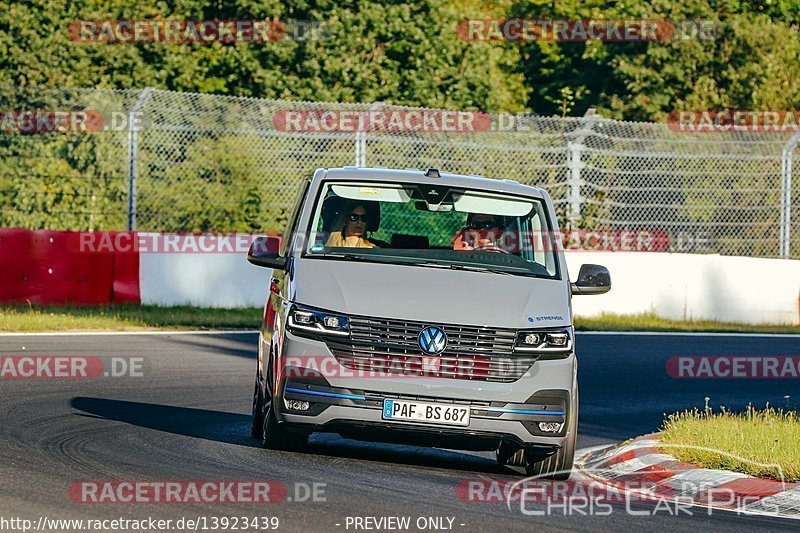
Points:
(434, 226)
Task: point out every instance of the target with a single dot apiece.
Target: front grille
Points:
(402, 335)
(391, 346)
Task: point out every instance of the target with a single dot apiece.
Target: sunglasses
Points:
(354, 217)
(486, 224)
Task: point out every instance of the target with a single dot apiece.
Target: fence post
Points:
(575, 165)
(574, 200)
(361, 148)
(361, 136)
(133, 142)
(786, 194)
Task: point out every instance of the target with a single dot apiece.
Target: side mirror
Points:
(264, 252)
(592, 279)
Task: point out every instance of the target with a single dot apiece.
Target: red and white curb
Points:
(643, 462)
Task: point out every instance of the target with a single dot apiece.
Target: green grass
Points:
(143, 317)
(650, 322)
(761, 443)
(125, 318)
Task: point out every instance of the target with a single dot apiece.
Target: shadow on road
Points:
(332, 445)
(219, 344)
(234, 428)
(217, 426)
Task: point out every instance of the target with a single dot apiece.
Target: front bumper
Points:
(353, 405)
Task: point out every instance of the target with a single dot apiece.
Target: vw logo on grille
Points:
(432, 340)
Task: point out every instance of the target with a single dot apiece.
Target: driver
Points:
(350, 229)
(482, 231)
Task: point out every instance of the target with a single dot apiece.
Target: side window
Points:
(291, 227)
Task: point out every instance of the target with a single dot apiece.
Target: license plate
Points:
(454, 415)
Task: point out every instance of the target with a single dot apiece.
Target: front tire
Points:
(509, 455)
(257, 424)
(274, 435)
(555, 466)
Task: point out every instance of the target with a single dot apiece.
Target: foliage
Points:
(747, 61)
(127, 317)
(398, 52)
(132, 317)
(405, 53)
(757, 442)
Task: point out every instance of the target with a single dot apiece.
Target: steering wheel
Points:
(492, 248)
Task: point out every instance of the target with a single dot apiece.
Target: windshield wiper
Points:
(458, 266)
(416, 262)
(473, 268)
(365, 258)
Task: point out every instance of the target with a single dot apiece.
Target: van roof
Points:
(419, 176)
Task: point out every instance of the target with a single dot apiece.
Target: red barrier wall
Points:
(47, 267)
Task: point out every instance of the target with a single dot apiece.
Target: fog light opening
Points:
(550, 427)
(296, 405)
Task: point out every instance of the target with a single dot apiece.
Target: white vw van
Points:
(422, 307)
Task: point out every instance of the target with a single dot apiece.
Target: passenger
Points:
(481, 231)
(350, 228)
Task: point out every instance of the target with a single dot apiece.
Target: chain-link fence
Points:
(165, 161)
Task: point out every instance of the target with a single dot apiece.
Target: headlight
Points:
(544, 341)
(301, 318)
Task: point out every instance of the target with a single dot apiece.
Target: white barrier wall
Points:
(673, 286)
(694, 287)
(202, 279)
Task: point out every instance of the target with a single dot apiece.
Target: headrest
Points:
(373, 215)
(330, 209)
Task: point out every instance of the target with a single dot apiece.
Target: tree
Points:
(396, 52)
(749, 61)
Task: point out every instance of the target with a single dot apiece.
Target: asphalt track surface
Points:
(188, 419)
